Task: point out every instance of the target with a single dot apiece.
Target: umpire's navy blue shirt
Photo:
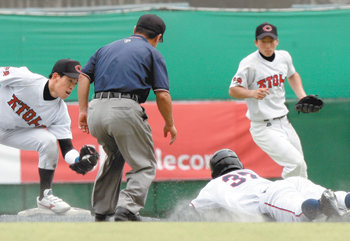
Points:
(130, 65)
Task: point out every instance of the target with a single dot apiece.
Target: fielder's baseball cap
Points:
(266, 29)
(153, 23)
(69, 67)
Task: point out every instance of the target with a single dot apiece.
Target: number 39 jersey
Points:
(255, 72)
(237, 192)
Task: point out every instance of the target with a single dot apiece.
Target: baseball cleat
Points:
(53, 203)
(329, 204)
(123, 214)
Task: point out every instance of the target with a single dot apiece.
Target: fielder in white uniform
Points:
(246, 196)
(34, 117)
(260, 79)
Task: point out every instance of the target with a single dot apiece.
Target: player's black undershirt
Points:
(47, 95)
(270, 59)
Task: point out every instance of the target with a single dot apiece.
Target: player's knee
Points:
(48, 152)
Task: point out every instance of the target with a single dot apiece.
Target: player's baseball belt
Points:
(276, 118)
(112, 94)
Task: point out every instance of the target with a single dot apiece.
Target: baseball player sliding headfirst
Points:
(239, 194)
(35, 116)
(260, 79)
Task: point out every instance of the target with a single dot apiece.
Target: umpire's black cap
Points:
(153, 23)
(266, 29)
(68, 67)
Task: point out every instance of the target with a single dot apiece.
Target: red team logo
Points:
(78, 68)
(267, 28)
(6, 72)
(238, 80)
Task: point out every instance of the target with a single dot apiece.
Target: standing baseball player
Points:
(34, 117)
(244, 196)
(123, 73)
(260, 79)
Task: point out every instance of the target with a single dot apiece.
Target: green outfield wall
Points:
(202, 48)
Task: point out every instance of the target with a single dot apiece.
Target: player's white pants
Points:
(280, 141)
(283, 199)
(33, 139)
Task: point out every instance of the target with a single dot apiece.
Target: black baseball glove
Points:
(87, 160)
(309, 104)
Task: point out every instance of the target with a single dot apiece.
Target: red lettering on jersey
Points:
(271, 81)
(29, 115)
(268, 79)
(261, 83)
(35, 122)
(24, 107)
(281, 80)
(239, 80)
(6, 72)
(13, 102)
(275, 80)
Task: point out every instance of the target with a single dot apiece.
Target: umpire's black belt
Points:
(112, 94)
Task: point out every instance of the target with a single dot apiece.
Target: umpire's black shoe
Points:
(329, 204)
(123, 214)
(100, 217)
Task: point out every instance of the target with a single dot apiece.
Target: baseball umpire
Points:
(35, 116)
(260, 79)
(123, 72)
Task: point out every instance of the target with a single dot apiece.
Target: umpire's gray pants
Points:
(121, 127)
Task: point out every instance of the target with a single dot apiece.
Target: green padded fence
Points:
(202, 48)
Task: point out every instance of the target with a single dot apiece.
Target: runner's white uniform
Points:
(248, 197)
(270, 127)
(239, 197)
(31, 122)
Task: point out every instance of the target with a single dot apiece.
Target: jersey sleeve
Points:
(289, 62)
(160, 74)
(205, 200)
(89, 69)
(61, 127)
(10, 76)
(242, 76)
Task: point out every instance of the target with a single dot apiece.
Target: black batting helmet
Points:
(223, 161)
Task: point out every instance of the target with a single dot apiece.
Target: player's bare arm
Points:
(83, 96)
(297, 85)
(163, 99)
(239, 92)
